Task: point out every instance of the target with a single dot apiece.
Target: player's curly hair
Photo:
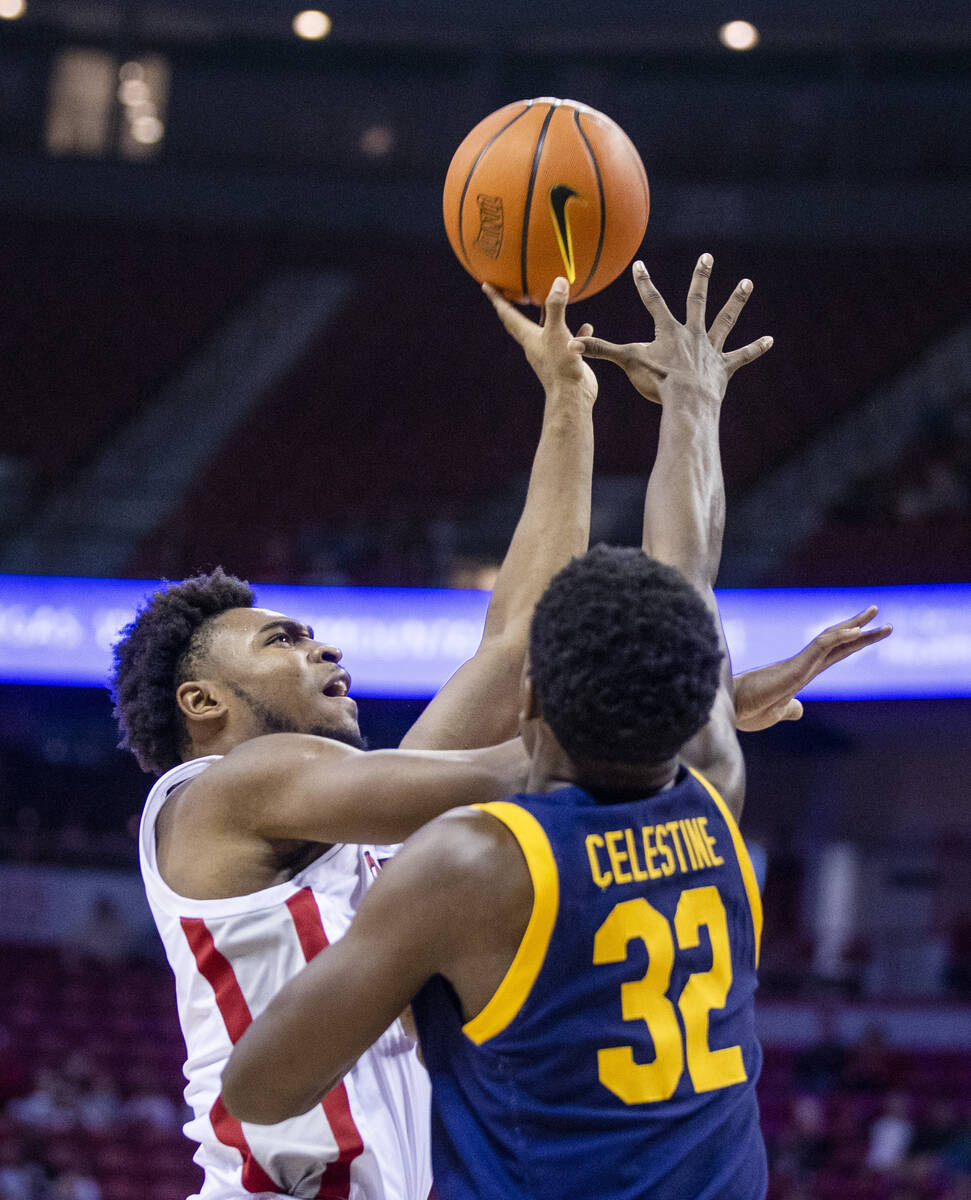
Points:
(156, 652)
(624, 656)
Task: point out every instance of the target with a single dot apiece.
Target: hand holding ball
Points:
(543, 188)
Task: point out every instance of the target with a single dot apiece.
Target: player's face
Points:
(285, 680)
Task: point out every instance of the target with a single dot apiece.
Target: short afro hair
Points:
(624, 656)
(156, 652)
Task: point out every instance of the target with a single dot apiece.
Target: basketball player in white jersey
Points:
(269, 821)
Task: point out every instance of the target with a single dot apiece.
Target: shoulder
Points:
(473, 859)
(267, 760)
(249, 776)
(468, 843)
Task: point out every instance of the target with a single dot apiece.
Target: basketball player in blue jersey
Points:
(581, 958)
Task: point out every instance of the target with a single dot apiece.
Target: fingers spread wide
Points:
(723, 324)
(747, 354)
(652, 298)
(698, 293)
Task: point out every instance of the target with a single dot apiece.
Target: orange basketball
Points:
(543, 188)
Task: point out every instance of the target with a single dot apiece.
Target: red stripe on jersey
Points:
(336, 1179)
(230, 1133)
(218, 971)
(306, 919)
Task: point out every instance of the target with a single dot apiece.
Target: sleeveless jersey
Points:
(369, 1139)
(617, 1059)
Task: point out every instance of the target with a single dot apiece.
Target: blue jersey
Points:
(617, 1059)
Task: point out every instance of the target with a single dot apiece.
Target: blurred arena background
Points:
(231, 331)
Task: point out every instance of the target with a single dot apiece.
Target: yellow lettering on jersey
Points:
(638, 871)
(672, 827)
(601, 878)
(628, 855)
(709, 1069)
(741, 855)
(667, 867)
(650, 852)
(644, 1000)
(686, 842)
(624, 1071)
(699, 843)
(716, 858)
(617, 856)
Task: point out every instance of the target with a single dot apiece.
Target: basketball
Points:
(542, 188)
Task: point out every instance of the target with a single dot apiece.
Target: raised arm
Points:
(479, 704)
(686, 369)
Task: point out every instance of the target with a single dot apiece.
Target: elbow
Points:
(249, 1096)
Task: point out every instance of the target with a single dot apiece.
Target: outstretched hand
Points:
(686, 349)
(768, 694)
(549, 346)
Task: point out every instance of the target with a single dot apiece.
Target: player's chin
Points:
(338, 721)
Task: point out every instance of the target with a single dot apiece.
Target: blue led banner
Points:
(407, 641)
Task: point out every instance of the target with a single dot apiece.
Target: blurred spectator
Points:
(890, 1134)
(99, 1104)
(51, 1107)
(75, 1185)
(868, 1068)
(958, 970)
(819, 1068)
(24, 1172)
(955, 1154)
(803, 1146)
(937, 1130)
(148, 1107)
(15, 1073)
(104, 937)
(940, 492)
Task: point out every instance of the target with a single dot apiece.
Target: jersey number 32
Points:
(647, 1000)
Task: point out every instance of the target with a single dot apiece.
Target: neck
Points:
(551, 767)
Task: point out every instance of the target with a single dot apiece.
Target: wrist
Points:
(570, 393)
(689, 390)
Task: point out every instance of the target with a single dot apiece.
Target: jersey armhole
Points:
(517, 983)
(744, 862)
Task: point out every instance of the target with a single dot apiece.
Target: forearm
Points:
(294, 787)
(684, 515)
(684, 507)
(394, 793)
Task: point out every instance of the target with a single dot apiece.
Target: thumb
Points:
(591, 347)
(792, 711)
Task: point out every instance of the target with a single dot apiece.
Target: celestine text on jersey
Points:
(651, 852)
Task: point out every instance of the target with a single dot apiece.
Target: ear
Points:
(199, 701)
(529, 705)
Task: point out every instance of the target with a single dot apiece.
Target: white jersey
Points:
(370, 1138)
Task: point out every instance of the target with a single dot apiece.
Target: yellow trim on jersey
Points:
(517, 983)
(744, 862)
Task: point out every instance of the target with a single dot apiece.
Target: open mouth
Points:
(339, 686)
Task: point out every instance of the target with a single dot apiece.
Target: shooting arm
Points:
(684, 509)
(684, 517)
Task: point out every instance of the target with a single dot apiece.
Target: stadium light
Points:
(738, 35)
(312, 24)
